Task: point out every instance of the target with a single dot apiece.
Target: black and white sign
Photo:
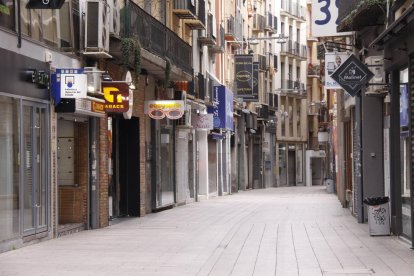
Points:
(352, 75)
(244, 76)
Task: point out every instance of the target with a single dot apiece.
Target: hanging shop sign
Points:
(352, 75)
(332, 62)
(244, 77)
(45, 4)
(202, 121)
(255, 81)
(223, 111)
(325, 18)
(116, 94)
(68, 84)
(160, 109)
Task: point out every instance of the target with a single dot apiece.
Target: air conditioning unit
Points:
(114, 17)
(377, 85)
(97, 29)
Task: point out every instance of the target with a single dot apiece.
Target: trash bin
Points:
(378, 215)
(329, 185)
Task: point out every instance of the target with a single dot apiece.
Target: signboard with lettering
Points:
(244, 76)
(202, 121)
(116, 94)
(255, 82)
(332, 62)
(325, 18)
(223, 111)
(73, 83)
(352, 75)
(160, 109)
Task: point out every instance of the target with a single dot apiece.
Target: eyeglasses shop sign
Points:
(160, 109)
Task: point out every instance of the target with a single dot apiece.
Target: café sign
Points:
(164, 109)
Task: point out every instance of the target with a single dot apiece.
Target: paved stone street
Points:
(283, 231)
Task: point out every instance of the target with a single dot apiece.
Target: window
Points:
(7, 14)
(40, 25)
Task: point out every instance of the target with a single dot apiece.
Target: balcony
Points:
(232, 30)
(313, 70)
(271, 23)
(184, 9)
(196, 87)
(295, 9)
(261, 59)
(208, 36)
(155, 37)
(294, 49)
(355, 15)
(219, 46)
(198, 23)
(272, 101)
(259, 23)
(293, 88)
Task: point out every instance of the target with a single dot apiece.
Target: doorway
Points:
(34, 155)
(292, 165)
(124, 187)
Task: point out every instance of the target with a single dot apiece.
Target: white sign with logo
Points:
(332, 62)
(72, 84)
(325, 18)
(202, 121)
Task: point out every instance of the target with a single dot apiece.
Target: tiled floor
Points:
(284, 231)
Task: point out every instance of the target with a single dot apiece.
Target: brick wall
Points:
(118, 73)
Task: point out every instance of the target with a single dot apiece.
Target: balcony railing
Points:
(196, 87)
(294, 8)
(185, 9)
(346, 7)
(259, 23)
(156, 37)
(291, 86)
(294, 48)
(261, 59)
(232, 29)
(208, 36)
(313, 70)
(220, 41)
(271, 23)
(272, 101)
(353, 15)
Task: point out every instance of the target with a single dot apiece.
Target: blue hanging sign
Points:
(223, 111)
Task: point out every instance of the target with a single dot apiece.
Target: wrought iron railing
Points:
(155, 37)
(291, 85)
(294, 8)
(294, 48)
(229, 27)
(272, 101)
(185, 5)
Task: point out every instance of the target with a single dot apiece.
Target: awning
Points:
(394, 28)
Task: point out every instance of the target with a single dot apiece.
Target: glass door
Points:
(34, 156)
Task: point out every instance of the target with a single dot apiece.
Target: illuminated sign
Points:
(116, 96)
(73, 83)
(161, 109)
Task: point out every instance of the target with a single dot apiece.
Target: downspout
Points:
(19, 27)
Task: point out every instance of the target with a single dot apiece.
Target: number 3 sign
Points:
(325, 18)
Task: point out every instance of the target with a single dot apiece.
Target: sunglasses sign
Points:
(164, 109)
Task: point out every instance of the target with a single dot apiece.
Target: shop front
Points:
(25, 192)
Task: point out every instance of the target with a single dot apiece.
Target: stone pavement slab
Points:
(282, 231)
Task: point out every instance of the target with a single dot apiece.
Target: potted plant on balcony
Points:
(130, 47)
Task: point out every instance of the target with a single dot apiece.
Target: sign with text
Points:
(116, 94)
(73, 83)
(352, 75)
(244, 76)
(325, 18)
(332, 62)
(160, 109)
(223, 111)
(202, 121)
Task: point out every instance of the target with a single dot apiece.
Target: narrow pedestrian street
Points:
(283, 231)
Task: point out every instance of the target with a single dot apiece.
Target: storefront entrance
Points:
(35, 168)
